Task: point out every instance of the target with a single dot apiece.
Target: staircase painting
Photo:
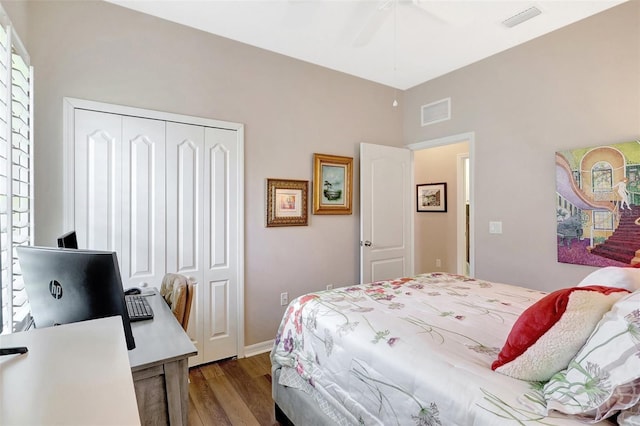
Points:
(624, 244)
(591, 183)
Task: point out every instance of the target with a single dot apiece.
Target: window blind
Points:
(16, 172)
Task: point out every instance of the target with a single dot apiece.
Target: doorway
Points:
(445, 241)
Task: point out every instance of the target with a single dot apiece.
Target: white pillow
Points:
(549, 333)
(614, 276)
(604, 377)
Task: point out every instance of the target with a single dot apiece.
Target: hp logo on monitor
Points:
(55, 288)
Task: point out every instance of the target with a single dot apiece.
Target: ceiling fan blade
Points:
(380, 14)
(447, 12)
(423, 9)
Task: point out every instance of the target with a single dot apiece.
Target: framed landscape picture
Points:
(432, 197)
(287, 202)
(332, 184)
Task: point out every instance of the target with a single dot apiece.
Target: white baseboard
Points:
(258, 348)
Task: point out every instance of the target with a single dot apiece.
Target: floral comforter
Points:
(407, 351)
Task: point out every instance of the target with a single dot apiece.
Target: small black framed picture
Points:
(431, 197)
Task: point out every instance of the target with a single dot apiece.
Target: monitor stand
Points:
(13, 351)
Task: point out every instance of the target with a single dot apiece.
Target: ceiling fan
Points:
(383, 10)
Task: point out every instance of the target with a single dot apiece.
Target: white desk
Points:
(73, 374)
(159, 364)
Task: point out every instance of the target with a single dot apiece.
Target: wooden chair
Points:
(177, 291)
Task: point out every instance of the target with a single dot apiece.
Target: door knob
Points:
(367, 243)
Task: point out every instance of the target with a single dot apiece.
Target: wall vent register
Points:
(435, 112)
(521, 17)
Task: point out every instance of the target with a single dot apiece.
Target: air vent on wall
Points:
(436, 112)
(519, 18)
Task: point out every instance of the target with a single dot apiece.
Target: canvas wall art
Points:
(598, 205)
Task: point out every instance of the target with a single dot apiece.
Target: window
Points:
(602, 176)
(16, 172)
(602, 220)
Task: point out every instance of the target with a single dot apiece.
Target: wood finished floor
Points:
(232, 392)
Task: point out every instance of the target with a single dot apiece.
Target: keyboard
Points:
(138, 307)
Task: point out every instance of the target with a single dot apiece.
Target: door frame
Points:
(461, 248)
(68, 178)
(468, 137)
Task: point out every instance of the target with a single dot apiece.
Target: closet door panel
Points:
(188, 201)
(184, 194)
(221, 222)
(184, 218)
(98, 183)
(217, 169)
(143, 211)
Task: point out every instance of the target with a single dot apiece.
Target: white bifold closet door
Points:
(201, 223)
(164, 195)
(120, 191)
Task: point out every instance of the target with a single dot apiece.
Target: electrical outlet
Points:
(438, 263)
(329, 286)
(284, 299)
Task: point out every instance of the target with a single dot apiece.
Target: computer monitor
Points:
(65, 286)
(68, 240)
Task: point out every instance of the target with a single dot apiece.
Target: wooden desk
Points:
(159, 364)
(73, 374)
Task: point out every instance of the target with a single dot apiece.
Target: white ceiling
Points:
(432, 37)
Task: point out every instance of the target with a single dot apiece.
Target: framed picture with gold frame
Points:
(287, 202)
(332, 184)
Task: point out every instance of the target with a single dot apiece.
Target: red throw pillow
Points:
(550, 332)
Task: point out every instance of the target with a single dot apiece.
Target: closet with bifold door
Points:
(165, 192)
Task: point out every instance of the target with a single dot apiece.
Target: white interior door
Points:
(386, 188)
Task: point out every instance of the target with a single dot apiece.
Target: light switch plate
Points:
(495, 227)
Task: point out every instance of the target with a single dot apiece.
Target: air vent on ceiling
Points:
(519, 18)
(436, 112)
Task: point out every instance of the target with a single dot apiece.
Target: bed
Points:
(420, 351)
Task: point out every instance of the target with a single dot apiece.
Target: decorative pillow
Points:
(551, 331)
(614, 276)
(604, 377)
